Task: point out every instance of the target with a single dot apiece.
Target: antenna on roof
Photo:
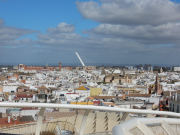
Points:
(80, 59)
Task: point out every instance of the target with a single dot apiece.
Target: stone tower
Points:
(161, 70)
(157, 84)
(59, 66)
(158, 87)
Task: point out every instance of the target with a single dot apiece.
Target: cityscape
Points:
(89, 67)
(142, 87)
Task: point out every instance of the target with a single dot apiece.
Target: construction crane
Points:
(80, 59)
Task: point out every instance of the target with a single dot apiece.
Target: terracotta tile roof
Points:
(24, 96)
(26, 92)
(139, 95)
(22, 87)
(109, 103)
(42, 87)
(4, 122)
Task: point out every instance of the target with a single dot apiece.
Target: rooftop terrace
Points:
(62, 119)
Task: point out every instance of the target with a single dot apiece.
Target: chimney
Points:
(9, 119)
(34, 97)
(176, 96)
(10, 98)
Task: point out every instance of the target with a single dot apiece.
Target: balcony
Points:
(59, 119)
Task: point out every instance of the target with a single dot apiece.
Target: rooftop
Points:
(83, 119)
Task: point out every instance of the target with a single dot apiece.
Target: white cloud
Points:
(9, 35)
(25, 41)
(72, 41)
(1, 21)
(127, 27)
(165, 33)
(68, 36)
(62, 28)
(131, 12)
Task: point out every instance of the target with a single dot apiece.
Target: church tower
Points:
(157, 84)
(161, 70)
(59, 66)
(158, 87)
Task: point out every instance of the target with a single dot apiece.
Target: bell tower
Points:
(157, 84)
(59, 66)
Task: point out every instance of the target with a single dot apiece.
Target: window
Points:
(173, 108)
(170, 107)
(177, 108)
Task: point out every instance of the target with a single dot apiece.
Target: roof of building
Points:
(22, 87)
(83, 88)
(26, 118)
(42, 87)
(109, 103)
(26, 92)
(2, 77)
(139, 86)
(51, 88)
(138, 95)
(103, 97)
(166, 93)
(109, 76)
(4, 120)
(24, 96)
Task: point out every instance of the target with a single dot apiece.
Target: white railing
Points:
(142, 125)
(87, 109)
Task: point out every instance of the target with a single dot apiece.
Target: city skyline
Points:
(101, 31)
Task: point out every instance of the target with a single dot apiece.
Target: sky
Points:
(36, 32)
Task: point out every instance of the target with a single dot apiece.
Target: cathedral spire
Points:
(161, 70)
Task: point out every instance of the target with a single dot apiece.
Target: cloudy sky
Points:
(101, 31)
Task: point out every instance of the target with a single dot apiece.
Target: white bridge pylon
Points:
(80, 59)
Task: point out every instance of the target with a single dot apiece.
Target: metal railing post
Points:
(168, 128)
(124, 117)
(39, 121)
(83, 123)
(144, 129)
